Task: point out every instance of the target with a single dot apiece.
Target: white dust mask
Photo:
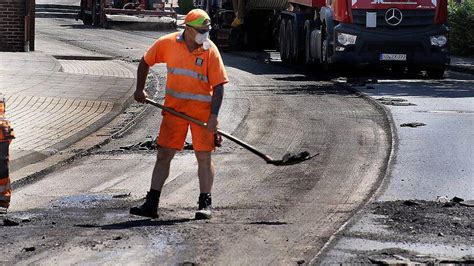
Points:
(201, 38)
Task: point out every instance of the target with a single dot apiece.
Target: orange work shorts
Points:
(173, 133)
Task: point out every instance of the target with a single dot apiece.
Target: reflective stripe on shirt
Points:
(187, 72)
(189, 96)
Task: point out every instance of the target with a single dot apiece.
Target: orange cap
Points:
(197, 18)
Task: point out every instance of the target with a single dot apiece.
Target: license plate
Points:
(393, 57)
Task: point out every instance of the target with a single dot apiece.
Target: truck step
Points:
(55, 15)
(56, 11)
(50, 6)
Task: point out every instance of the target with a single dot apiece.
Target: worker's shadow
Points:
(135, 223)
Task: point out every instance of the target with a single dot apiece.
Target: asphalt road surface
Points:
(263, 214)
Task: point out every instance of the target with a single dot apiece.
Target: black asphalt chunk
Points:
(299, 262)
(121, 196)
(269, 223)
(457, 200)
(141, 146)
(10, 222)
(395, 101)
(29, 249)
(467, 203)
(150, 145)
(413, 124)
(410, 203)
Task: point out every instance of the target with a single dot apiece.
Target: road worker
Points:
(239, 10)
(195, 87)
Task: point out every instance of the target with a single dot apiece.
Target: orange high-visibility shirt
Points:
(191, 75)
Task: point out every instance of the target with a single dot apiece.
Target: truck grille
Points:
(392, 48)
(410, 18)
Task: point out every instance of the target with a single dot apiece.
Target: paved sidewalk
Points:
(53, 103)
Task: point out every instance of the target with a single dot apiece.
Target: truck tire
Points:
(296, 54)
(435, 72)
(87, 19)
(324, 50)
(283, 42)
(308, 28)
(290, 35)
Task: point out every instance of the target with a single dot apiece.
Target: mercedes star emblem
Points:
(393, 16)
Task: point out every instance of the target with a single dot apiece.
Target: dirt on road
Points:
(410, 232)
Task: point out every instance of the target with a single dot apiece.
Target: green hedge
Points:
(461, 25)
(185, 6)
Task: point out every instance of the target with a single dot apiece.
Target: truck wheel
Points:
(307, 42)
(296, 54)
(283, 42)
(324, 51)
(290, 35)
(87, 19)
(436, 72)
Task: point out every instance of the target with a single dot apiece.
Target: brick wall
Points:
(12, 25)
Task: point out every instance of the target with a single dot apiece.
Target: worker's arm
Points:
(217, 97)
(140, 94)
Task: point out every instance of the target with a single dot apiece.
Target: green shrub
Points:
(185, 6)
(461, 25)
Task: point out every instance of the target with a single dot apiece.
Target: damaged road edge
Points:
(385, 171)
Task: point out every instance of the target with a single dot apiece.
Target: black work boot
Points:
(150, 207)
(205, 207)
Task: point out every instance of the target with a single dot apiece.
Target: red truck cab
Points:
(410, 33)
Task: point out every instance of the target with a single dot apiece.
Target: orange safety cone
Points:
(6, 136)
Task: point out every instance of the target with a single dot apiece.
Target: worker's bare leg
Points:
(205, 171)
(160, 173)
(206, 179)
(162, 167)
